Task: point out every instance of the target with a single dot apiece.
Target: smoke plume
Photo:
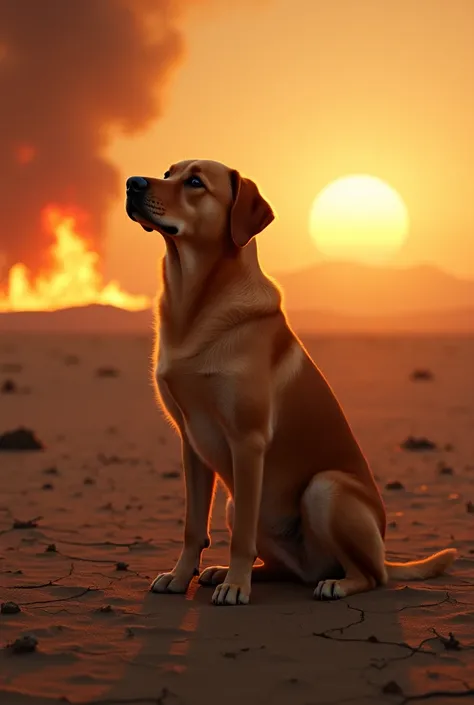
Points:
(71, 70)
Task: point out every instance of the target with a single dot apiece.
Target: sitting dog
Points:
(251, 406)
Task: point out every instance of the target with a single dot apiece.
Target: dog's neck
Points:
(196, 280)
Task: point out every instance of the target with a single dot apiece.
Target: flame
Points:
(74, 279)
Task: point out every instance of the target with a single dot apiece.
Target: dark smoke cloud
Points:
(69, 71)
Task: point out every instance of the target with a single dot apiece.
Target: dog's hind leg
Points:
(337, 519)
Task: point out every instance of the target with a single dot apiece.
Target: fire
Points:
(74, 279)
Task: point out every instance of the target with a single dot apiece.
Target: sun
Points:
(359, 217)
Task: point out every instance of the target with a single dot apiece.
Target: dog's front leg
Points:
(247, 460)
(199, 482)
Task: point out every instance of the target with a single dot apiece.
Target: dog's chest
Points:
(192, 399)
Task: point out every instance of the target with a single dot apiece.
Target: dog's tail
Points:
(429, 567)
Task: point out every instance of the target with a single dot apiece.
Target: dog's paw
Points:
(214, 575)
(172, 583)
(329, 590)
(231, 594)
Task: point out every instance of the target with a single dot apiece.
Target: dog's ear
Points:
(250, 213)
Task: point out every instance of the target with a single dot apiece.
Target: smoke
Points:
(70, 71)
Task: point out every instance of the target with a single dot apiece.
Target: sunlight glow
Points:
(359, 217)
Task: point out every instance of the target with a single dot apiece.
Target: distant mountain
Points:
(107, 319)
(327, 297)
(360, 290)
(80, 319)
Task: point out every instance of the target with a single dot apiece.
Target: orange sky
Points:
(296, 93)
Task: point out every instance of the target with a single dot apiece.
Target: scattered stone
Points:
(9, 608)
(470, 507)
(51, 471)
(392, 688)
(109, 507)
(89, 481)
(28, 524)
(24, 645)
(51, 548)
(421, 375)
(394, 485)
(170, 475)
(121, 565)
(392, 525)
(9, 387)
(414, 444)
(107, 372)
(373, 639)
(48, 486)
(450, 643)
(445, 469)
(106, 609)
(229, 654)
(20, 439)
(129, 633)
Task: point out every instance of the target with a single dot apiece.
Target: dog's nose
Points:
(136, 183)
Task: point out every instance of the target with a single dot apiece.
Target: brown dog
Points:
(251, 406)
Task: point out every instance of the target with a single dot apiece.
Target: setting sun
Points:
(359, 217)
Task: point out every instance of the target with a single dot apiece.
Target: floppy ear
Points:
(250, 213)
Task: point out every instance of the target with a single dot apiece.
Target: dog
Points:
(251, 406)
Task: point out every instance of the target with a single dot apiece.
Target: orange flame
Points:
(74, 279)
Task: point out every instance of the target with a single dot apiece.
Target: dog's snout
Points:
(136, 183)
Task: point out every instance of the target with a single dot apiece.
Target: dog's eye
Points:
(167, 175)
(194, 182)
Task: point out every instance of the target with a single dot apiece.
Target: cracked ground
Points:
(86, 523)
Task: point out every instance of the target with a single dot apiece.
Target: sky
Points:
(297, 93)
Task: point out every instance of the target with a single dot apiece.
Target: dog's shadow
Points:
(286, 647)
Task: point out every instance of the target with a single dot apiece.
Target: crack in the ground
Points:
(60, 599)
(40, 585)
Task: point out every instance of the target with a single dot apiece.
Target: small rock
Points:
(106, 609)
(9, 608)
(450, 643)
(170, 475)
(47, 486)
(421, 375)
(107, 372)
(89, 481)
(9, 387)
(121, 566)
(470, 507)
(414, 444)
(51, 548)
(20, 439)
(392, 688)
(28, 524)
(51, 471)
(392, 524)
(445, 469)
(24, 645)
(394, 485)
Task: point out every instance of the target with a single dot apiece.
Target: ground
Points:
(105, 498)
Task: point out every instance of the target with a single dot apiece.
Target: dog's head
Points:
(203, 202)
